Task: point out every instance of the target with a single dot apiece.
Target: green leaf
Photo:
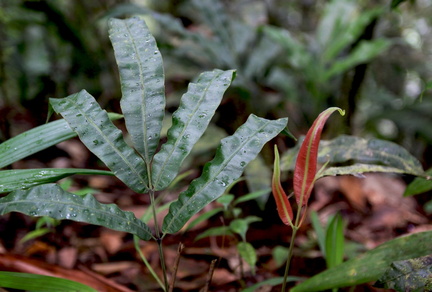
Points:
(190, 120)
(364, 52)
(396, 3)
(319, 230)
(258, 177)
(371, 265)
(204, 217)
(52, 201)
(419, 185)
(215, 231)
(413, 275)
(101, 137)
(225, 200)
(366, 155)
(251, 196)
(32, 282)
(334, 246)
(247, 252)
(271, 282)
(347, 30)
(241, 225)
(231, 158)
(16, 179)
(142, 82)
(37, 139)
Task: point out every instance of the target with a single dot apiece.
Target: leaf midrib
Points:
(201, 100)
(222, 167)
(77, 206)
(110, 143)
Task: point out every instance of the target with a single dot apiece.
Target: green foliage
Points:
(231, 158)
(334, 242)
(32, 282)
(142, 83)
(419, 185)
(330, 239)
(105, 140)
(371, 265)
(16, 179)
(358, 155)
(408, 275)
(37, 139)
(51, 200)
(190, 121)
(143, 102)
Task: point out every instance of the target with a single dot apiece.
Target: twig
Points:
(209, 276)
(176, 265)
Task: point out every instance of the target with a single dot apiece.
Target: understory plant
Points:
(139, 165)
(344, 155)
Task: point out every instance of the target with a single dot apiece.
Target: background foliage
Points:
(293, 58)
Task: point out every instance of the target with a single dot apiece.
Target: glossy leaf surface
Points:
(371, 265)
(306, 163)
(231, 158)
(189, 122)
(17, 179)
(101, 137)
(282, 204)
(359, 155)
(37, 139)
(142, 82)
(32, 282)
(52, 201)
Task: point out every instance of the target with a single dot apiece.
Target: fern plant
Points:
(140, 166)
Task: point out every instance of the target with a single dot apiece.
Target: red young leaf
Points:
(283, 206)
(306, 164)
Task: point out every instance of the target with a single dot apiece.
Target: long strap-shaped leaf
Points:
(306, 164)
(283, 205)
(52, 201)
(37, 139)
(101, 137)
(230, 160)
(18, 179)
(371, 265)
(142, 82)
(190, 120)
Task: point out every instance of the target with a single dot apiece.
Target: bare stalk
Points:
(159, 240)
(176, 264)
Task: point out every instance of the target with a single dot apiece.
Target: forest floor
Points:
(372, 207)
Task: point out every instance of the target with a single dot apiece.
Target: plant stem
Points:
(159, 240)
(288, 262)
